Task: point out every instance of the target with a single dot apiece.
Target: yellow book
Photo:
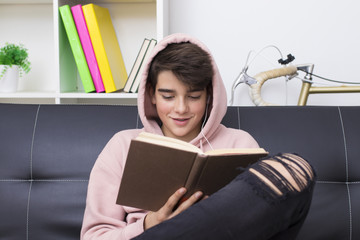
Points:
(106, 47)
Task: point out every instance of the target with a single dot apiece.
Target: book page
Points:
(233, 151)
(167, 141)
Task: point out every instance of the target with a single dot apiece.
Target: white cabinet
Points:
(53, 77)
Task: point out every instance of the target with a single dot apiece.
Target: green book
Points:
(76, 48)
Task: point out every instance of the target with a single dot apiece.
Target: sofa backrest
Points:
(47, 152)
(329, 137)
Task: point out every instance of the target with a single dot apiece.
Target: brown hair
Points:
(188, 62)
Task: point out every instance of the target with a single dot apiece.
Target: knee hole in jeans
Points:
(284, 173)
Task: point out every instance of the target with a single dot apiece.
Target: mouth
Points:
(181, 121)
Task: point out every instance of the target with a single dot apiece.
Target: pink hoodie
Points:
(103, 219)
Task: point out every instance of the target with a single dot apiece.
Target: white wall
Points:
(323, 32)
(38, 27)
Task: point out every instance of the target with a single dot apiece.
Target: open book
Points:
(157, 166)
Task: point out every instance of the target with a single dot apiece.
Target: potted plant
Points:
(15, 62)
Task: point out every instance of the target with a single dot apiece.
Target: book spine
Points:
(85, 40)
(76, 48)
(195, 175)
(135, 68)
(138, 77)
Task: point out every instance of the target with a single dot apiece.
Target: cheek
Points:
(199, 108)
(163, 106)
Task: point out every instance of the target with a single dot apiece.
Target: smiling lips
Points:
(181, 121)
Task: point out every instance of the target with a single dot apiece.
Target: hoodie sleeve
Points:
(103, 218)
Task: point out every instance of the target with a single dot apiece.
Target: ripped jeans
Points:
(269, 200)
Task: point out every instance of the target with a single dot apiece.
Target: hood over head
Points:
(216, 108)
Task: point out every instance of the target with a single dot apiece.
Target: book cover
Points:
(135, 86)
(76, 48)
(157, 166)
(135, 68)
(106, 47)
(85, 40)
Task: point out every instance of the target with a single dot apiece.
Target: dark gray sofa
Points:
(47, 152)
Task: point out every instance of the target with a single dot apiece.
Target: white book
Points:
(135, 86)
(137, 64)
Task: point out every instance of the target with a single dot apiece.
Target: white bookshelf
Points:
(53, 77)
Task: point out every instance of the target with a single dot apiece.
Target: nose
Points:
(181, 105)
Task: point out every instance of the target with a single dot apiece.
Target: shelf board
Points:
(28, 95)
(13, 2)
(69, 95)
(99, 95)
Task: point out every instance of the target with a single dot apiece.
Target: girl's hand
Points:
(167, 211)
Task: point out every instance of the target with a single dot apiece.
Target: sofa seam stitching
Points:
(31, 172)
(337, 182)
(347, 173)
(345, 145)
(350, 210)
(27, 212)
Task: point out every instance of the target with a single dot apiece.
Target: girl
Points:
(183, 96)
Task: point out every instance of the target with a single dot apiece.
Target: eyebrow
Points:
(165, 90)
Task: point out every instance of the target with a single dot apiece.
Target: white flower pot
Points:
(9, 82)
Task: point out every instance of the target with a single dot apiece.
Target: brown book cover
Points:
(157, 166)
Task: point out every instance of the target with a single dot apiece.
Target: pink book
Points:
(85, 40)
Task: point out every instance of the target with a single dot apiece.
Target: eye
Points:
(194, 97)
(167, 97)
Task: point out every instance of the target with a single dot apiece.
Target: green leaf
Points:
(12, 54)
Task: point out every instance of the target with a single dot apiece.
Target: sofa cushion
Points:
(329, 138)
(46, 155)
